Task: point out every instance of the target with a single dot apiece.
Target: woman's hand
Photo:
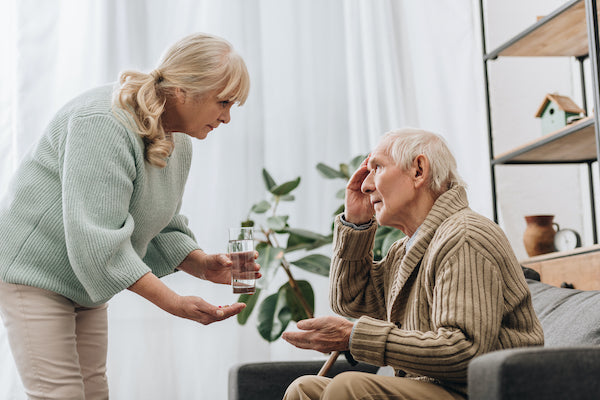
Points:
(358, 207)
(190, 307)
(212, 267)
(324, 334)
(196, 309)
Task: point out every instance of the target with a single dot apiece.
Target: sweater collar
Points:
(449, 203)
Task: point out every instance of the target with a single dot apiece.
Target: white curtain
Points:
(328, 79)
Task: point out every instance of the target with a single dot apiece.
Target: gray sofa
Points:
(567, 367)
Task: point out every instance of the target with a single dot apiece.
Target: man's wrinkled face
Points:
(390, 188)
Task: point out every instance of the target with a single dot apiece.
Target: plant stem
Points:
(286, 267)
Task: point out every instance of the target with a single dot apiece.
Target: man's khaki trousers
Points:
(365, 386)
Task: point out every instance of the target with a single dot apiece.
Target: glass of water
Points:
(241, 252)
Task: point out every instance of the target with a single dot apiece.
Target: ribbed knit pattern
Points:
(85, 215)
(468, 296)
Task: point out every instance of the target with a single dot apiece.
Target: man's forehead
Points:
(380, 152)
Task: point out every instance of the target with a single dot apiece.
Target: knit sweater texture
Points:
(457, 293)
(85, 215)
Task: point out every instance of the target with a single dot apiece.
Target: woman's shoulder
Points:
(92, 101)
(92, 110)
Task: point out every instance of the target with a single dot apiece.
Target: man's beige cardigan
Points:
(459, 292)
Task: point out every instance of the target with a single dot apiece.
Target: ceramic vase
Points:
(539, 234)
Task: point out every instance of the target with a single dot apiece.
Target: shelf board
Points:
(561, 33)
(576, 143)
(561, 254)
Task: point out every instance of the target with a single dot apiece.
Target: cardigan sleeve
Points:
(355, 282)
(97, 171)
(466, 315)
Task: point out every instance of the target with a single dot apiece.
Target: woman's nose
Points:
(368, 185)
(225, 115)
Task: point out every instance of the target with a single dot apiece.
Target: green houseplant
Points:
(279, 244)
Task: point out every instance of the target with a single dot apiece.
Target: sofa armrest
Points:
(269, 380)
(533, 373)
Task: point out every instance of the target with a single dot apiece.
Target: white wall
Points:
(517, 87)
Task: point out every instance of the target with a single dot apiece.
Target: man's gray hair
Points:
(404, 145)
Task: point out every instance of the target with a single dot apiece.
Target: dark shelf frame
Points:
(594, 56)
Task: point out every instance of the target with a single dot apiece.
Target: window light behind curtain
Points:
(328, 79)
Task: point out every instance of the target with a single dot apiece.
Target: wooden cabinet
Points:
(570, 31)
(580, 267)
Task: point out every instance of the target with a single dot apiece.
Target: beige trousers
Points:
(365, 386)
(59, 347)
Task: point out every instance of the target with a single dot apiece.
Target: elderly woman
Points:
(94, 210)
(449, 291)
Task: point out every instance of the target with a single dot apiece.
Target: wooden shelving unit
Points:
(576, 143)
(560, 34)
(569, 31)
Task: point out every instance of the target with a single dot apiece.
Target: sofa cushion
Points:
(569, 317)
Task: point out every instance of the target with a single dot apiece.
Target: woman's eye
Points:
(225, 103)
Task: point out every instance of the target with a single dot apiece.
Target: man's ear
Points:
(420, 170)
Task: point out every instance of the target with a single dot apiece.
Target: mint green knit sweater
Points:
(85, 215)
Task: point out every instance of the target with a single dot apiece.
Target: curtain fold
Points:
(328, 79)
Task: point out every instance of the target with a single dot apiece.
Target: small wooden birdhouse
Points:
(556, 112)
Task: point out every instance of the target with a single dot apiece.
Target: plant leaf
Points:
(341, 194)
(315, 263)
(329, 172)
(268, 179)
(389, 239)
(287, 197)
(269, 258)
(380, 237)
(277, 222)
(285, 188)
(339, 210)
(294, 305)
(250, 301)
(303, 239)
(273, 316)
(356, 161)
(260, 208)
(345, 170)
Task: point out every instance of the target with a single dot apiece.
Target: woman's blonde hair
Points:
(198, 63)
(404, 145)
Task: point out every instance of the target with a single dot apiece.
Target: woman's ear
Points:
(180, 95)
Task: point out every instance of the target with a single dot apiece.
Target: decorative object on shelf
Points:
(558, 111)
(539, 234)
(566, 239)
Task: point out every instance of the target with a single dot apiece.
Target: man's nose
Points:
(367, 185)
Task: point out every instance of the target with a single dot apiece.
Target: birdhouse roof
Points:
(563, 102)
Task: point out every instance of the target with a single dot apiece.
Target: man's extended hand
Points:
(324, 334)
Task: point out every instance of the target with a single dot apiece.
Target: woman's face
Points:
(196, 116)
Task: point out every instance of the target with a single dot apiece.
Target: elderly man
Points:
(452, 289)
